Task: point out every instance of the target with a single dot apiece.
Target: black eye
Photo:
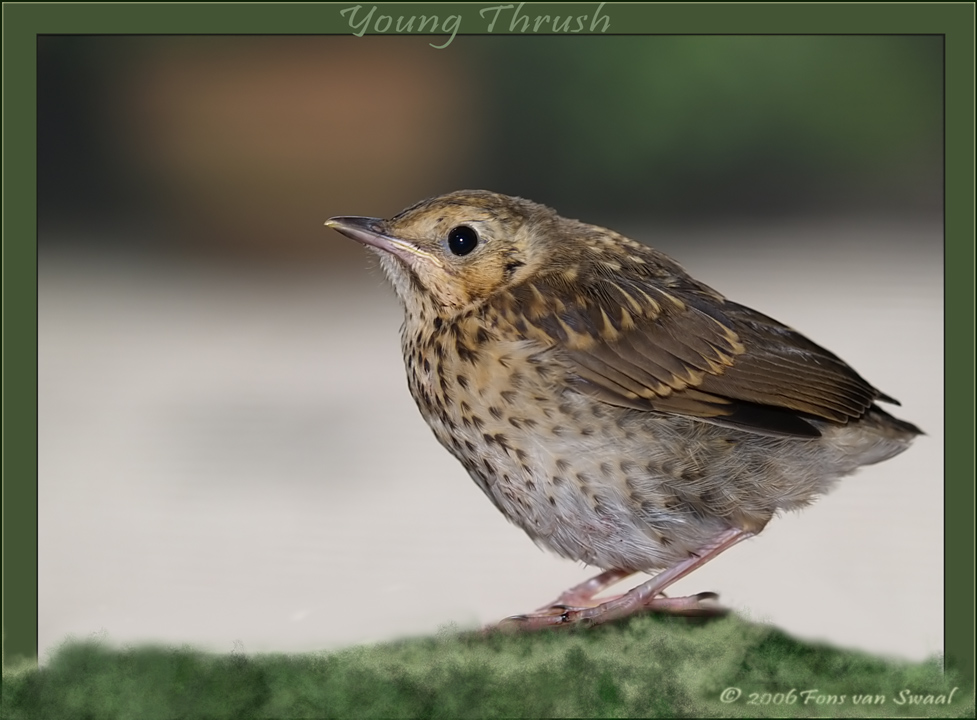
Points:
(462, 240)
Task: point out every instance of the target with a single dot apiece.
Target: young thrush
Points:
(619, 411)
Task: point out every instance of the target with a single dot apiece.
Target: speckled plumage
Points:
(620, 412)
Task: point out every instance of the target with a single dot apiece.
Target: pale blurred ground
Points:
(230, 457)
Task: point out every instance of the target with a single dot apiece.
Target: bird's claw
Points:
(561, 615)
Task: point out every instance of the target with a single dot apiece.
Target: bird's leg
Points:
(645, 596)
(582, 595)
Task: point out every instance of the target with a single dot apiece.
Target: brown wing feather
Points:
(670, 344)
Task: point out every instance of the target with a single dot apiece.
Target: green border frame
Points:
(23, 22)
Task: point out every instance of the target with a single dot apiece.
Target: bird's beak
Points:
(370, 231)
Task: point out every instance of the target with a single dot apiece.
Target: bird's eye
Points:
(462, 240)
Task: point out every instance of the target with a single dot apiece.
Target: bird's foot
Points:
(700, 605)
(648, 596)
(567, 601)
(582, 595)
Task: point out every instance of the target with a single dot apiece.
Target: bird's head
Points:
(459, 249)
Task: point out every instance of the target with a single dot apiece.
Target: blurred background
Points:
(228, 453)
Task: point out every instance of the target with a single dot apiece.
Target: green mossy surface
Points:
(646, 667)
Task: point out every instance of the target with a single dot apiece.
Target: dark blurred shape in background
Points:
(690, 126)
(244, 145)
(248, 143)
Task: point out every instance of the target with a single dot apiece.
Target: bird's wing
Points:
(676, 346)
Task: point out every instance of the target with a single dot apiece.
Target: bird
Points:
(619, 411)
